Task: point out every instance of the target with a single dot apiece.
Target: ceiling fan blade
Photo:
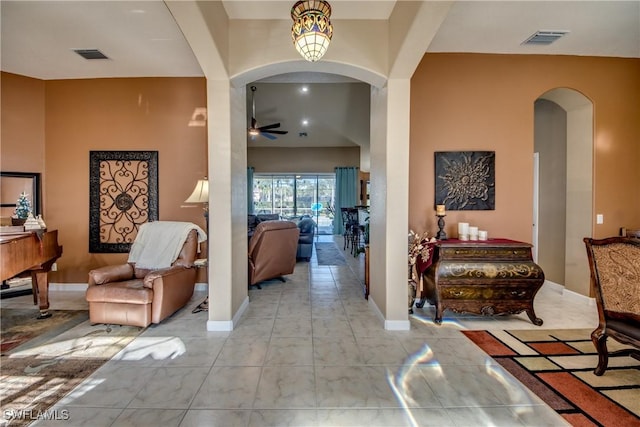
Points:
(279, 132)
(266, 135)
(271, 126)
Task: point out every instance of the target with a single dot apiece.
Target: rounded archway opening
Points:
(563, 197)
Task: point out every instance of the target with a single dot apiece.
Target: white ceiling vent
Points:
(543, 37)
(90, 53)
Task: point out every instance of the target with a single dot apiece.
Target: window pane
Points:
(305, 195)
(283, 201)
(290, 196)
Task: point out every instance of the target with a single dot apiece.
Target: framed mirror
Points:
(12, 184)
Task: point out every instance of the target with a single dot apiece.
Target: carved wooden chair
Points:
(615, 276)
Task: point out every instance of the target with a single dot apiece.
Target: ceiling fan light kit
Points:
(312, 29)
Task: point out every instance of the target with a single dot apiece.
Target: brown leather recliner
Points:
(126, 295)
(272, 251)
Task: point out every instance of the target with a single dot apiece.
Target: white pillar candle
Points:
(473, 233)
(482, 235)
(463, 230)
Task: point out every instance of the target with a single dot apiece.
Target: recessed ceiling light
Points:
(304, 89)
(305, 122)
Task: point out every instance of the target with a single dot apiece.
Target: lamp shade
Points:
(312, 29)
(200, 193)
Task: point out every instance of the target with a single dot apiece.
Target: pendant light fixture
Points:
(312, 29)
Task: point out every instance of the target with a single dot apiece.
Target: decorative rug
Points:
(38, 373)
(329, 254)
(19, 325)
(557, 365)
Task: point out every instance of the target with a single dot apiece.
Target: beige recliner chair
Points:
(272, 251)
(127, 294)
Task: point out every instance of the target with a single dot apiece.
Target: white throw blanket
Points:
(159, 243)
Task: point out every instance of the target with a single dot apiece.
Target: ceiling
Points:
(142, 39)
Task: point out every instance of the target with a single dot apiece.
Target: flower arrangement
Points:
(418, 246)
(23, 206)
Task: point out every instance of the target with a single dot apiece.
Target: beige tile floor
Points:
(312, 352)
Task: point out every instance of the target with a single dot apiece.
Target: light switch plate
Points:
(599, 219)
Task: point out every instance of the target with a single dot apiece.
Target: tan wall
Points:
(117, 114)
(486, 102)
(22, 126)
(302, 159)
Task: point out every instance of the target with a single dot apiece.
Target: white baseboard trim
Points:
(583, 299)
(219, 325)
(579, 297)
(228, 325)
(61, 287)
(397, 325)
(390, 325)
(553, 286)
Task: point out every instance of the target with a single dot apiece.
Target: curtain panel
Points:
(346, 194)
(250, 205)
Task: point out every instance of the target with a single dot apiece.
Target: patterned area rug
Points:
(38, 373)
(557, 365)
(329, 254)
(19, 325)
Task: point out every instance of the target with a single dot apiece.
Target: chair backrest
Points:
(615, 275)
(186, 258)
(272, 250)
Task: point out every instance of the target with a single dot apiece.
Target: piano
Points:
(34, 252)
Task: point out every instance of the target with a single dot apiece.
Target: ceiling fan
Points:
(266, 131)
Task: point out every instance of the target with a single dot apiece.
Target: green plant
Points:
(23, 206)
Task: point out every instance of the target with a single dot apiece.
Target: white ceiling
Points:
(141, 39)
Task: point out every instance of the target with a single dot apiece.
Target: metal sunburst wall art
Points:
(465, 180)
(123, 195)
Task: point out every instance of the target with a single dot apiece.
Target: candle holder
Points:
(441, 235)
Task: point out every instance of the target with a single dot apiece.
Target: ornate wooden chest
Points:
(493, 277)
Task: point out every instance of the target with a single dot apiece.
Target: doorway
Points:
(563, 137)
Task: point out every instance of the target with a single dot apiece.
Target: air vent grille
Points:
(90, 53)
(543, 37)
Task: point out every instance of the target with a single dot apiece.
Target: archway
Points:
(563, 138)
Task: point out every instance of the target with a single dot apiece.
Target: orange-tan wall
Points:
(472, 102)
(22, 133)
(77, 116)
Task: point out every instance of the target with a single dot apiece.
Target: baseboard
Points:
(583, 299)
(219, 325)
(228, 325)
(556, 287)
(61, 287)
(390, 325)
(397, 325)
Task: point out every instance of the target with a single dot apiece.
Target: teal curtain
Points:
(346, 194)
(250, 207)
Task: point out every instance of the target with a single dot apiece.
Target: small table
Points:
(204, 305)
(491, 277)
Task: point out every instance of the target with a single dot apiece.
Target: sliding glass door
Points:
(293, 196)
